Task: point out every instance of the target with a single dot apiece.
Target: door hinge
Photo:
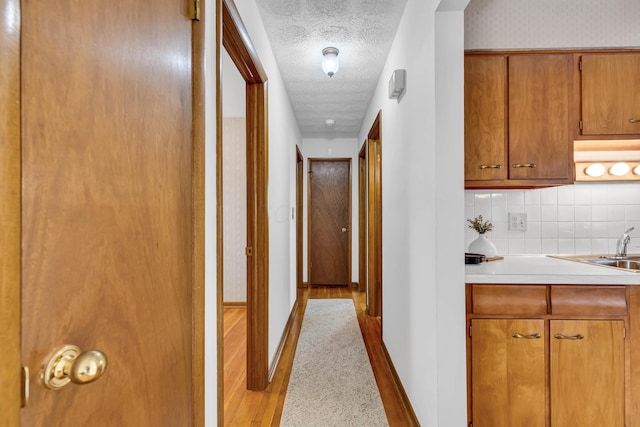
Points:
(25, 386)
(248, 251)
(580, 65)
(624, 333)
(195, 10)
(469, 331)
(580, 124)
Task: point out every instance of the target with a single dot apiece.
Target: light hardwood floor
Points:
(250, 408)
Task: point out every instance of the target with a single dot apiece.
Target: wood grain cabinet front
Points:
(550, 355)
(610, 94)
(517, 120)
(508, 372)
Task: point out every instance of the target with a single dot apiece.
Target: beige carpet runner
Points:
(332, 383)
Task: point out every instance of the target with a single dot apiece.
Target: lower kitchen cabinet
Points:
(508, 372)
(587, 372)
(548, 355)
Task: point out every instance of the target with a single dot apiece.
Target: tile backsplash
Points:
(574, 219)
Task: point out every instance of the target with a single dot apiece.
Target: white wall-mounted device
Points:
(397, 84)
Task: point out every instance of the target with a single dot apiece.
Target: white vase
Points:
(483, 246)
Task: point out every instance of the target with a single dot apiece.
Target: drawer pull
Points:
(634, 120)
(490, 166)
(524, 165)
(533, 336)
(569, 337)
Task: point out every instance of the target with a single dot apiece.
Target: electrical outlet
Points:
(518, 221)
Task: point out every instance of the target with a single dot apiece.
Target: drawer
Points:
(509, 299)
(589, 300)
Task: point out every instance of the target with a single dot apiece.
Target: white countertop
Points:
(541, 269)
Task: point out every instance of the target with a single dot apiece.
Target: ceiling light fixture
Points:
(330, 60)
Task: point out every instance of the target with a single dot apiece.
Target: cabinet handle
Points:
(533, 336)
(634, 120)
(524, 165)
(490, 166)
(568, 337)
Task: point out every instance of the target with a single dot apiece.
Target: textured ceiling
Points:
(362, 30)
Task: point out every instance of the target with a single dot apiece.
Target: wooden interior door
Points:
(587, 373)
(107, 208)
(508, 373)
(329, 222)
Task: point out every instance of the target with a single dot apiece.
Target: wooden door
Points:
(540, 88)
(508, 373)
(611, 94)
(329, 222)
(485, 118)
(587, 373)
(107, 209)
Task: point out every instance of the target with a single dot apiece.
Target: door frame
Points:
(374, 229)
(298, 212)
(234, 37)
(362, 218)
(312, 160)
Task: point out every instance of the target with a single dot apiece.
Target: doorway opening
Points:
(374, 218)
(235, 40)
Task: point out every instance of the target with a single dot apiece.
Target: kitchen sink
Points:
(628, 263)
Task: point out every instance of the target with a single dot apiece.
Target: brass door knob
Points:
(67, 364)
(344, 229)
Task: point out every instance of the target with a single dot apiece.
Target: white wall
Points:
(422, 203)
(284, 134)
(580, 218)
(317, 148)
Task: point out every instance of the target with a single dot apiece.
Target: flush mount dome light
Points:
(619, 169)
(596, 169)
(636, 170)
(330, 60)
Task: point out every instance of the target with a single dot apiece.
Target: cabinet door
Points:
(540, 146)
(587, 373)
(611, 94)
(508, 373)
(485, 123)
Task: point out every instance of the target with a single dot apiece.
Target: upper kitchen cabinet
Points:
(517, 120)
(610, 92)
(485, 117)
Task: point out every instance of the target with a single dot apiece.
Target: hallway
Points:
(244, 408)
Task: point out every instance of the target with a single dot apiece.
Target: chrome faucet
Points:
(623, 241)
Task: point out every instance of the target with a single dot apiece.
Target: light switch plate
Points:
(517, 221)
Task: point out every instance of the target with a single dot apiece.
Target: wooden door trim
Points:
(236, 40)
(374, 229)
(299, 207)
(310, 161)
(362, 218)
(198, 188)
(10, 213)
